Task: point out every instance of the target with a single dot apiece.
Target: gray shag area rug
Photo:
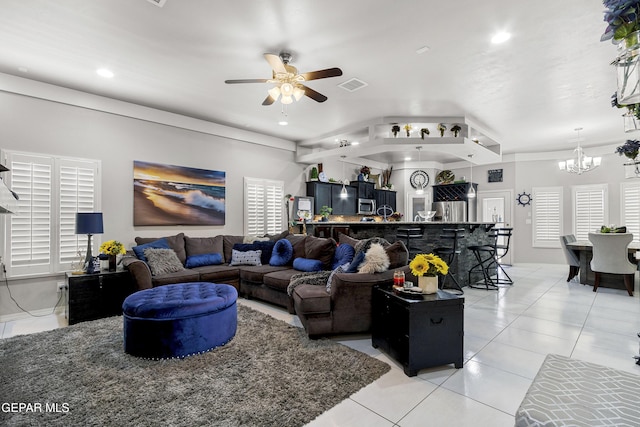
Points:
(270, 374)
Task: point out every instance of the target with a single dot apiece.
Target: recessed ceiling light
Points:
(500, 37)
(355, 143)
(104, 72)
(283, 123)
(422, 50)
(406, 159)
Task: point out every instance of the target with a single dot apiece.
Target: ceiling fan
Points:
(288, 84)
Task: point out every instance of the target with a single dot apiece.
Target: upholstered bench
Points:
(179, 320)
(569, 392)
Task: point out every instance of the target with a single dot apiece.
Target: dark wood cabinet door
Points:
(94, 296)
(346, 206)
(321, 192)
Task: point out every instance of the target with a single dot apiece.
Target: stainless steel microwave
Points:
(366, 206)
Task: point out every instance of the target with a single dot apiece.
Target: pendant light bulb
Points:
(471, 194)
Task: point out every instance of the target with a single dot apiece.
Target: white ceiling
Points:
(530, 93)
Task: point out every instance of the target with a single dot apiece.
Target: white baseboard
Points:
(59, 310)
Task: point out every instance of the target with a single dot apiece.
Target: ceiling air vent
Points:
(353, 84)
(158, 3)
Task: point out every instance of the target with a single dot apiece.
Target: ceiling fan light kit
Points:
(288, 82)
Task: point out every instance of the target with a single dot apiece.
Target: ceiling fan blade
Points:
(275, 62)
(246, 81)
(316, 96)
(322, 74)
(268, 100)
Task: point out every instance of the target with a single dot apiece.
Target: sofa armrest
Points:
(140, 272)
(353, 290)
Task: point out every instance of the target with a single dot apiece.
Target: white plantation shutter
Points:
(41, 237)
(263, 201)
(630, 210)
(547, 214)
(589, 209)
(77, 194)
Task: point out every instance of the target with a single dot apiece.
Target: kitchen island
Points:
(475, 233)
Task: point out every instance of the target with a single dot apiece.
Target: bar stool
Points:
(336, 230)
(322, 231)
(450, 255)
(501, 247)
(409, 234)
(485, 255)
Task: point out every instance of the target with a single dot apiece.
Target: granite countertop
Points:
(398, 223)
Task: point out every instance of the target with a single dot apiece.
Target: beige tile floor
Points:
(507, 335)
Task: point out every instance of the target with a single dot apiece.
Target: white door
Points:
(497, 206)
(417, 203)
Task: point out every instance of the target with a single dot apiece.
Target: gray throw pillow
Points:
(162, 261)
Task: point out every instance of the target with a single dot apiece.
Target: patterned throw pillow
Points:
(162, 261)
(245, 258)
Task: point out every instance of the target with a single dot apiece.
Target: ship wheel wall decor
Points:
(524, 199)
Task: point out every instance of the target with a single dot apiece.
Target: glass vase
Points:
(630, 122)
(112, 262)
(628, 70)
(428, 284)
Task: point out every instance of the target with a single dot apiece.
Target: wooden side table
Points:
(98, 295)
(419, 331)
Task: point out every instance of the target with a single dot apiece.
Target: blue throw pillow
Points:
(357, 260)
(282, 253)
(203, 259)
(344, 255)
(306, 264)
(266, 249)
(156, 244)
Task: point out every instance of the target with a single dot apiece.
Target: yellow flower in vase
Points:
(112, 247)
(426, 267)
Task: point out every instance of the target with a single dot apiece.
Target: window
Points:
(264, 206)
(630, 209)
(547, 215)
(40, 238)
(589, 209)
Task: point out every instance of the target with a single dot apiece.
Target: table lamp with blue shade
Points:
(89, 223)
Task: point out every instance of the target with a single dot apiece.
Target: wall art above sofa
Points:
(177, 195)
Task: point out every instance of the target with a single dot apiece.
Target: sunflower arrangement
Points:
(112, 247)
(428, 265)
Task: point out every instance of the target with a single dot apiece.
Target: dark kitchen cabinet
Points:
(385, 197)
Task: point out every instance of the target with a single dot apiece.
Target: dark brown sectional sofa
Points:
(346, 309)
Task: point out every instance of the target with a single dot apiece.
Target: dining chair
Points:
(572, 257)
(610, 255)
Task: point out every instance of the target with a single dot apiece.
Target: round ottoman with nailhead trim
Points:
(179, 320)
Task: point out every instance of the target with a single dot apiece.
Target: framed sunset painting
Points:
(177, 195)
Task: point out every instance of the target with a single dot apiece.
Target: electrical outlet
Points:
(62, 286)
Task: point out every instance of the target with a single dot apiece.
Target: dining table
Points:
(584, 249)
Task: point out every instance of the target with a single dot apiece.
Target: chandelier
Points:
(580, 162)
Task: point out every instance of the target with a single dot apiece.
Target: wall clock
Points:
(524, 199)
(419, 179)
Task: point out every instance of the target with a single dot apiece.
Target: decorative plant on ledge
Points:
(441, 128)
(395, 129)
(630, 149)
(407, 129)
(456, 129)
(424, 132)
(622, 17)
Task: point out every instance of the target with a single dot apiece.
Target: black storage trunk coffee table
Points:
(419, 331)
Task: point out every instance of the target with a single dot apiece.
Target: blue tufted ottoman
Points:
(179, 320)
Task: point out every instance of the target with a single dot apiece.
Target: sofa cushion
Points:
(282, 253)
(311, 299)
(376, 260)
(297, 241)
(203, 245)
(343, 238)
(181, 276)
(343, 255)
(218, 273)
(162, 261)
(245, 257)
(265, 248)
(321, 249)
(398, 255)
(276, 237)
(256, 274)
(175, 242)
(306, 264)
(357, 260)
(203, 259)
(156, 244)
(227, 245)
(279, 279)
